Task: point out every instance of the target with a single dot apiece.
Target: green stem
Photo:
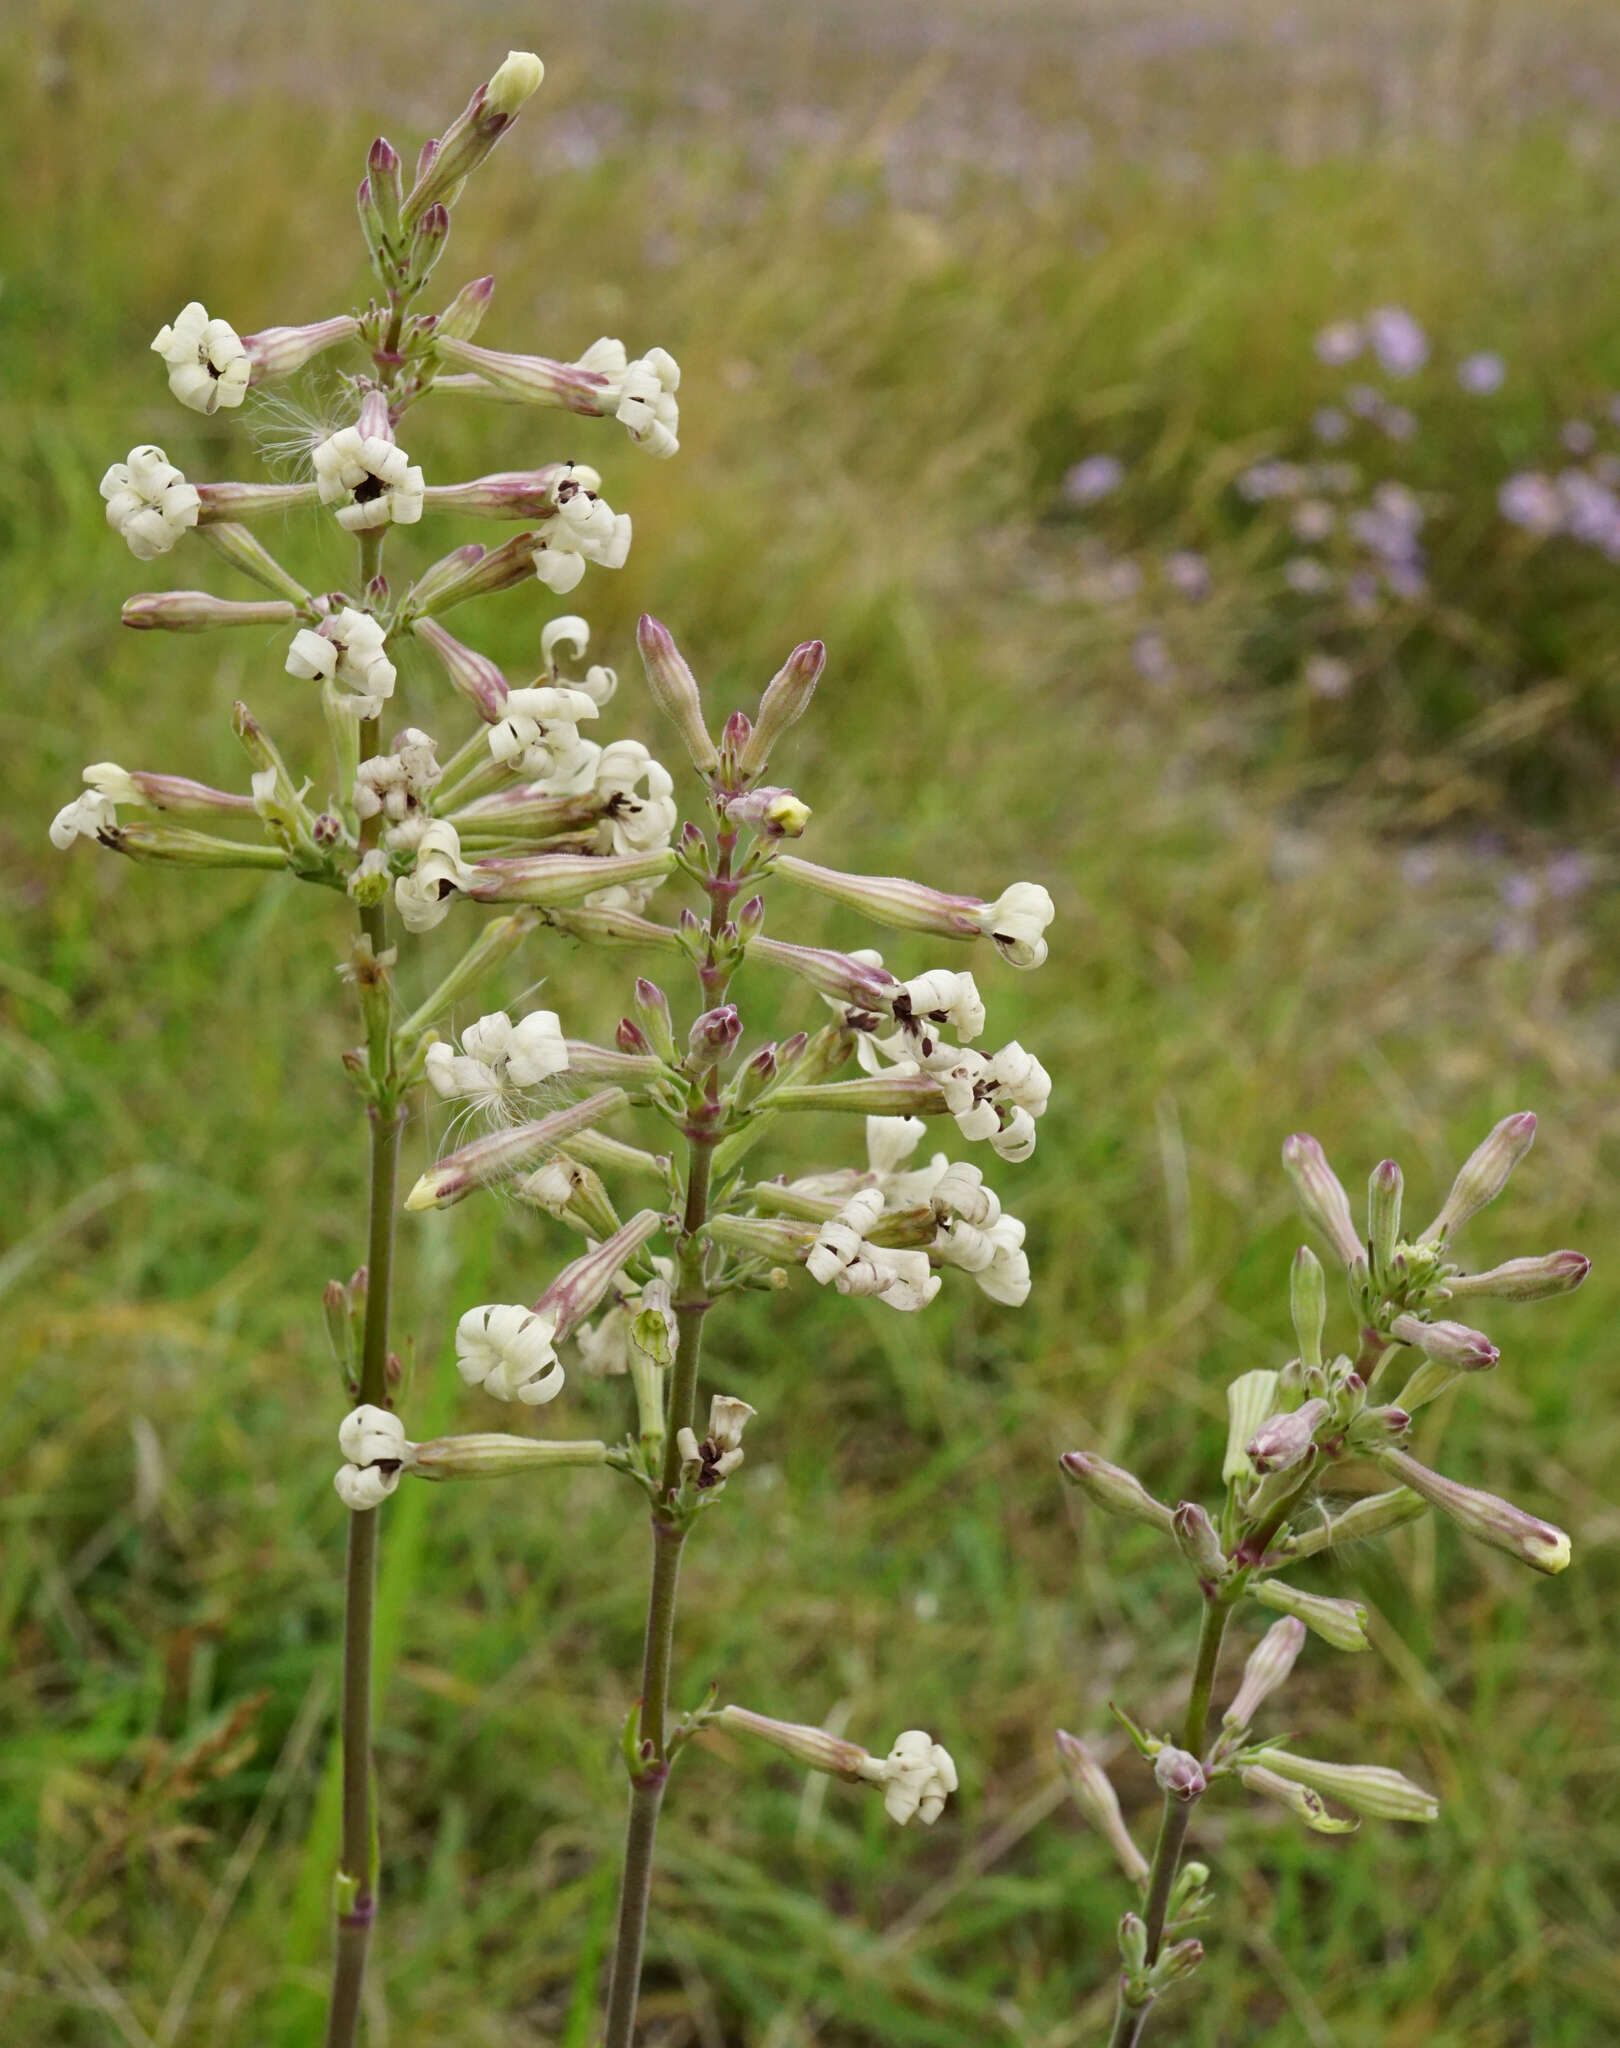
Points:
(1130, 2021)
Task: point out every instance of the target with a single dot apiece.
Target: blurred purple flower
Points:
(1095, 478)
(1327, 676)
(1531, 500)
(1481, 374)
(1339, 343)
(1271, 480)
(1312, 520)
(1150, 657)
(1329, 425)
(1401, 346)
(1366, 401)
(1398, 422)
(1578, 436)
(1307, 577)
(1568, 874)
(1188, 575)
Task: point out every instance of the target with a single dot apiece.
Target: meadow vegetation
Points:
(915, 269)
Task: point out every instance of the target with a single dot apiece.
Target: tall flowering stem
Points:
(1290, 1430)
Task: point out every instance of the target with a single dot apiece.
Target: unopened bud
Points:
(1179, 1773)
(776, 813)
(581, 1285)
(372, 230)
(1343, 1623)
(751, 918)
(1198, 1543)
(1535, 1279)
(1095, 1796)
(1284, 1440)
(1321, 1195)
(387, 188)
(1177, 1962)
(1541, 1545)
(196, 611)
(1250, 1400)
(460, 319)
(843, 976)
(516, 80)
(652, 1007)
(629, 1037)
(1268, 1666)
(755, 1078)
(1133, 1943)
(428, 238)
(786, 700)
(1486, 1173)
(714, 1035)
(1384, 1213)
(1115, 1490)
(1369, 1789)
(1299, 1799)
(1307, 1303)
(675, 692)
(504, 1153)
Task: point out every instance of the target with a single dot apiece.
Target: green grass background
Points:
(913, 263)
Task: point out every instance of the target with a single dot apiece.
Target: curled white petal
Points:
(207, 363)
(510, 1352)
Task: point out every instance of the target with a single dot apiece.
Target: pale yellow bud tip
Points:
(517, 79)
(422, 1196)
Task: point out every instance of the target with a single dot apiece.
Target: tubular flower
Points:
(88, 816)
(422, 897)
(645, 389)
(841, 1255)
(584, 528)
(917, 1776)
(207, 362)
(539, 737)
(712, 1462)
(397, 785)
(368, 480)
(348, 651)
(510, 1352)
(633, 822)
(149, 502)
(1016, 923)
(376, 1451)
(499, 1061)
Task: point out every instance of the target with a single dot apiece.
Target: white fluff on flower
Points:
(149, 502)
(208, 365)
(397, 785)
(571, 631)
(584, 528)
(918, 1775)
(87, 817)
(368, 479)
(347, 649)
(510, 1352)
(539, 736)
(842, 1256)
(634, 819)
(422, 897)
(645, 390)
(1016, 922)
(376, 1451)
(498, 1059)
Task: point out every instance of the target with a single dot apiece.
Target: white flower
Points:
(645, 392)
(423, 896)
(632, 822)
(374, 1443)
(87, 817)
(917, 1775)
(499, 1060)
(149, 502)
(1399, 343)
(396, 786)
(584, 528)
(841, 1255)
(1016, 921)
(939, 997)
(891, 1140)
(605, 1346)
(539, 737)
(348, 649)
(368, 479)
(598, 682)
(995, 1256)
(713, 1461)
(509, 1351)
(1339, 343)
(208, 366)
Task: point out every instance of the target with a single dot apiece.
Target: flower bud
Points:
(1307, 1303)
(675, 692)
(714, 1035)
(1369, 1789)
(492, 1456)
(1535, 1279)
(428, 237)
(652, 1007)
(516, 80)
(774, 812)
(460, 319)
(1299, 1799)
(1198, 1543)
(1485, 1175)
(1115, 1490)
(1343, 1623)
(1541, 1545)
(581, 1285)
(1179, 1773)
(1284, 1440)
(387, 187)
(372, 231)
(1321, 1195)
(1095, 1796)
(629, 1037)
(1452, 1344)
(1250, 1399)
(845, 977)
(755, 1078)
(503, 1153)
(1268, 1666)
(1375, 1514)
(195, 611)
(1133, 1943)
(751, 919)
(786, 700)
(1384, 1214)
(1177, 1962)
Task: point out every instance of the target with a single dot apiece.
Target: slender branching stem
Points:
(1130, 2021)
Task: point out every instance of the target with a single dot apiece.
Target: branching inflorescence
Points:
(1289, 1433)
(557, 829)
